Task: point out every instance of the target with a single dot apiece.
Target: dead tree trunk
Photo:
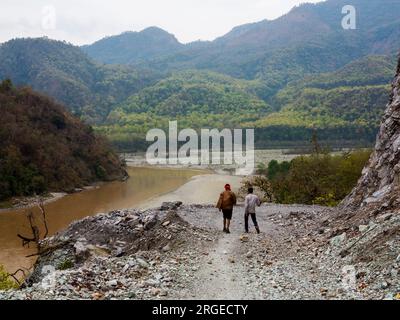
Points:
(35, 230)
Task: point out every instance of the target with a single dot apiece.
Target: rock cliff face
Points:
(381, 176)
(367, 224)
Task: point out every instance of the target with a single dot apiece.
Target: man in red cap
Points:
(226, 201)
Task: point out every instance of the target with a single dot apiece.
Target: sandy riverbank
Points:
(202, 189)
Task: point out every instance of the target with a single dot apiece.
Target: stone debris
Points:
(158, 257)
(304, 252)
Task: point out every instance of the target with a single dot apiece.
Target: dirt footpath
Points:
(265, 266)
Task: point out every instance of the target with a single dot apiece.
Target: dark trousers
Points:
(246, 220)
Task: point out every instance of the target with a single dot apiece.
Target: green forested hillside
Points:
(367, 71)
(64, 72)
(340, 114)
(197, 99)
(343, 105)
(134, 47)
(307, 40)
(125, 103)
(196, 91)
(285, 77)
(44, 148)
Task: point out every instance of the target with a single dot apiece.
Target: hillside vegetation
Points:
(197, 99)
(343, 105)
(318, 179)
(64, 72)
(286, 77)
(44, 148)
(307, 40)
(133, 47)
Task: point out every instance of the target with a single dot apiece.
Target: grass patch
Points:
(6, 283)
(66, 264)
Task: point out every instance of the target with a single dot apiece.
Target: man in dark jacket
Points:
(226, 201)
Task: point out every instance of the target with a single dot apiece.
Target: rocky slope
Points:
(178, 252)
(380, 178)
(126, 254)
(368, 220)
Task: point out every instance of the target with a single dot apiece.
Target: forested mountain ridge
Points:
(197, 99)
(197, 91)
(64, 72)
(369, 75)
(309, 38)
(284, 77)
(343, 105)
(133, 47)
(44, 148)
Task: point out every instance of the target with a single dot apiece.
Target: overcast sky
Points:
(85, 21)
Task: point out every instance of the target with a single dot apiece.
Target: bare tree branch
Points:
(35, 232)
(14, 275)
(43, 211)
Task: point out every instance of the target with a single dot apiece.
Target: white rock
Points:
(144, 264)
(112, 283)
(384, 217)
(338, 240)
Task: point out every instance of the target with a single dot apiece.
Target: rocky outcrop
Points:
(381, 177)
(366, 227)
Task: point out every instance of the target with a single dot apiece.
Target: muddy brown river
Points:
(143, 185)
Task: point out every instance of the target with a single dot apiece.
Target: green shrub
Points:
(6, 85)
(6, 283)
(317, 179)
(66, 264)
(275, 168)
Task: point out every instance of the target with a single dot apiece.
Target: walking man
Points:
(226, 201)
(250, 204)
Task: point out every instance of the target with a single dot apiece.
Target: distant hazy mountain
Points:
(309, 39)
(67, 74)
(134, 47)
